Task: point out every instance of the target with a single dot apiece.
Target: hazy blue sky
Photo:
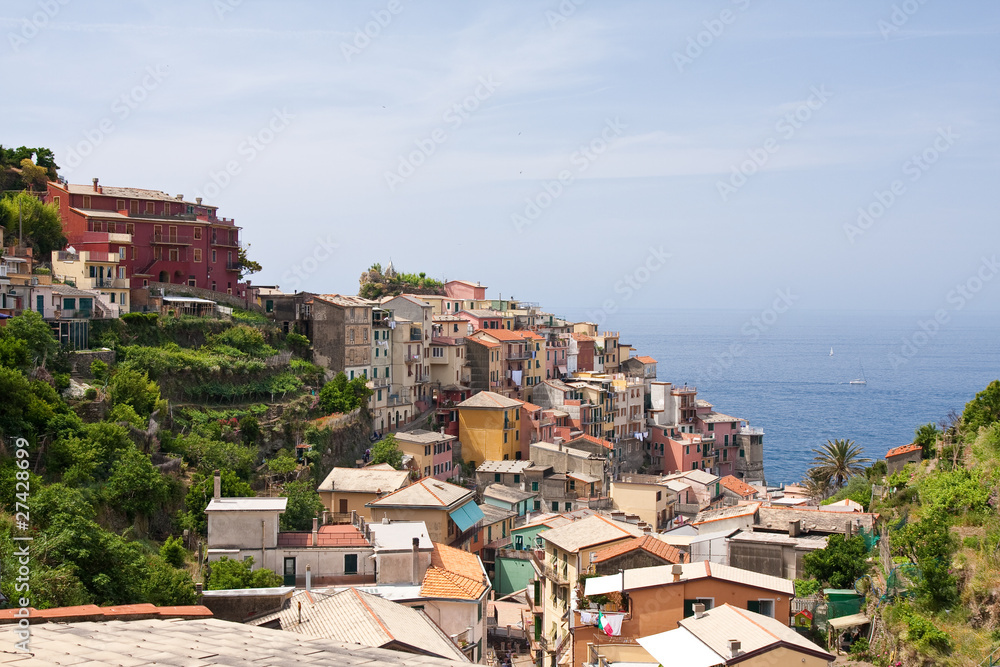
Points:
(829, 101)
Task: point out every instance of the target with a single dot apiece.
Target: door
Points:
(289, 572)
(343, 505)
(40, 304)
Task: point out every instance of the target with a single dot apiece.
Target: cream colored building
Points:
(347, 490)
(93, 270)
(644, 496)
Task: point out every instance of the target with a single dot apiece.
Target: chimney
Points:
(217, 489)
(197, 200)
(315, 532)
(677, 570)
(180, 197)
(794, 528)
(95, 185)
(699, 610)
(734, 648)
(309, 576)
(415, 574)
(198, 590)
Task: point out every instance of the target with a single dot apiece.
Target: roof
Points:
(699, 476)
(507, 493)
(454, 574)
(125, 193)
(493, 514)
(480, 313)
(531, 407)
(489, 399)
(357, 617)
(583, 477)
(717, 627)
(813, 519)
(67, 290)
(662, 575)
(348, 301)
(801, 542)
(588, 532)
(427, 492)
(409, 297)
(645, 360)
(682, 647)
(738, 486)
(647, 543)
(206, 642)
(734, 512)
(424, 436)
(247, 504)
(398, 535)
(364, 480)
(717, 417)
(91, 612)
(591, 439)
(504, 335)
(336, 535)
(509, 466)
(904, 449)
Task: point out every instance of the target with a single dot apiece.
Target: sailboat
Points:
(862, 379)
(831, 351)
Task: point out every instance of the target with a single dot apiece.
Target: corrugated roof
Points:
(365, 480)
(647, 543)
(662, 575)
(426, 492)
(247, 504)
(207, 643)
(489, 399)
(588, 532)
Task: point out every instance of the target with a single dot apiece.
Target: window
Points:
(726, 439)
(711, 427)
(555, 506)
(120, 205)
(86, 201)
(133, 207)
(534, 486)
(764, 607)
(149, 207)
(538, 505)
(69, 303)
(197, 254)
(569, 506)
(517, 479)
(197, 233)
(694, 466)
(496, 477)
(659, 495)
(269, 306)
(112, 297)
(214, 257)
(350, 563)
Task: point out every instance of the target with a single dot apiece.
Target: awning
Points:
(466, 516)
(849, 621)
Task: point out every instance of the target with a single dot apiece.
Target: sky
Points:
(599, 156)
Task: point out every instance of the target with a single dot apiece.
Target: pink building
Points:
(680, 451)
(555, 358)
(719, 432)
(463, 289)
(482, 319)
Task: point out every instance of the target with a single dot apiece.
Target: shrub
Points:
(226, 573)
(90, 393)
(971, 542)
(99, 370)
(173, 551)
(61, 380)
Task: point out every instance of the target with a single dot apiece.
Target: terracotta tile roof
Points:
(343, 535)
(501, 334)
(90, 612)
(531, 407)
(648, 543)
(738, 486)
(484, 343)
(592, 439)
(905, 449)
(646, 360)
(583, 338)
(530, 335)
(453, 574)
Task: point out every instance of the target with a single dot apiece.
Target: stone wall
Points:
(80, 361)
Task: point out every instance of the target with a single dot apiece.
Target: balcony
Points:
(380, 382)
(554, 571)
(411, 357)
(396, 399)
(519, 356)
(172, 239)
(750, 430)
(438, 360)
(225, 242)
(233, 266)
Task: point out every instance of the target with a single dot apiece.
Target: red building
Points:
(158, 238)
(586, 347)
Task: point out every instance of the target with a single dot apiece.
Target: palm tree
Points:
(837, 460)
(816, 485)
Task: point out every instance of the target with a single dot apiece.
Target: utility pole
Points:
(20, 224)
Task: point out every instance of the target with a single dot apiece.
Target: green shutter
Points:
(754, 606)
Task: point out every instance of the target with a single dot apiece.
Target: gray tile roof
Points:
(364, 480)
(504, 466)
(427, 492)
(424, 436)
(590, 531)
(201, 643)
(357, 617)
(507, 494)
(489, 399)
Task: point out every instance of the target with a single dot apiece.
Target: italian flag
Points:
(604, 624)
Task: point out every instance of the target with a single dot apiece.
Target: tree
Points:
(303, 505)
(247, 265)
(168, 586)
(134, 388)
(927, 436)
(984, 409)
(929, 544)
(817, 486)
(201, 491)
(387, 450)
(208, 455)
(35, 177)
(41, 222)
(226, 574)
(173, 551)
(135, 486)
(34, 332)
(837, 460)
(840, 563)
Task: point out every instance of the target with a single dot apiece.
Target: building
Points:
(348, 490)
(510, 498)
(568, 551)
(897, 457)
(644, 496)
(355, 617)
(720, 432)
(96, 271)
(157, 237)
(403, 551)
(507, 473)
(750, 458)
(735, 517)
(463, 289)
(661, 597)
(776, 554)
(704, 485)
(646, 551)
(342, 334)
(454, 594)
(431, 451)
(489, 427)
(380, 381)
(449, 511)
(568, 478)
(735, 490)
(729, 635)
(217, 643)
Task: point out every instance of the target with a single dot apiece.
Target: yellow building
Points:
(347, 490)
(93, 270)
(449, 511)
(489, 428)
(643, 496)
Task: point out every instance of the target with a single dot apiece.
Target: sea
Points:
(776, 371)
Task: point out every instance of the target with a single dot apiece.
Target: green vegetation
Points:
(375, 283)
(387, 450)
(836, 461)
(839, 564)
(227, 574)
(343, 395)
(40, 223)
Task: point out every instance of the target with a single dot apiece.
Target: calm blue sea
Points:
(780, 376)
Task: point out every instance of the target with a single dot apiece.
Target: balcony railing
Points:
(557, 572)
(410, 357)
(233, 266)
(172, 239)
(380, 382)
(225, 242)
